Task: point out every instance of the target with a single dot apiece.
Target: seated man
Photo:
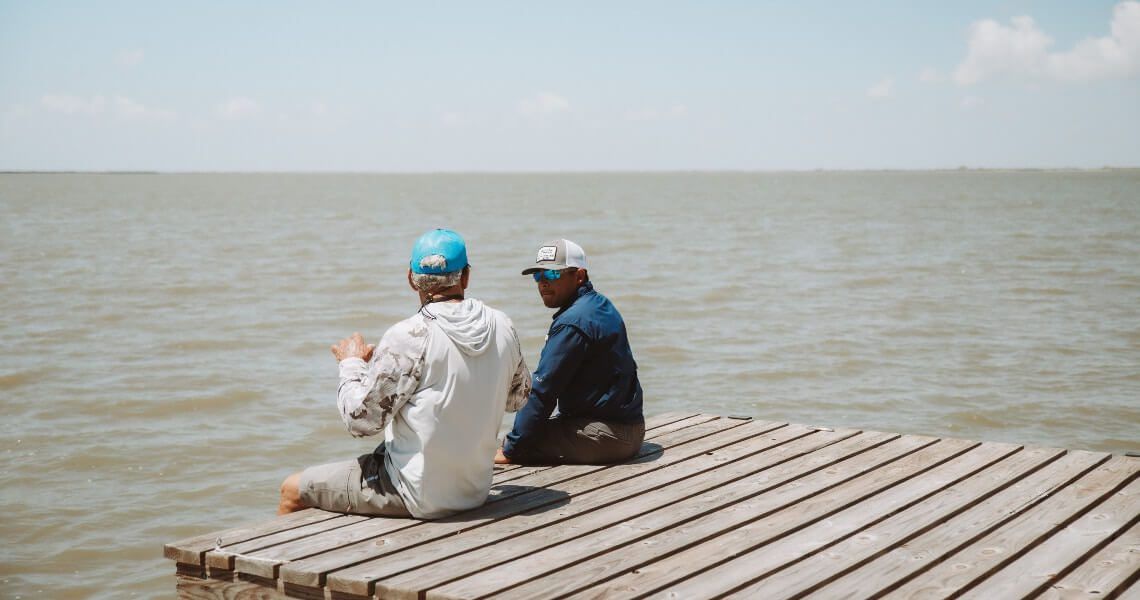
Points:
(586, 370)
(436, 386)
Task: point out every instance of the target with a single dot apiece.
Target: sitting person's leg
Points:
(361, 486)
(578, 440)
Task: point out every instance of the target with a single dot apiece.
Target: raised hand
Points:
(353, 347)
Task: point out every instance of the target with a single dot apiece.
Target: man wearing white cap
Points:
(586, 371)
(436, 387)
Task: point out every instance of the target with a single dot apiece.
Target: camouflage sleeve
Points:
(520, 383)
(370, 393)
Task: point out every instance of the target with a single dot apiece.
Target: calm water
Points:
(165, 338)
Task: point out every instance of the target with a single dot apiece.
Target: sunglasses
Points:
(550, 274)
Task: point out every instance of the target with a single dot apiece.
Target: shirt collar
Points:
(583, 289)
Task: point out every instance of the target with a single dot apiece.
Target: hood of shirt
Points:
(469, 324)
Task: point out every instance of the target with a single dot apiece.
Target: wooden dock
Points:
(721, 506)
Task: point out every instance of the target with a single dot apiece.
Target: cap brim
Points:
(543, 267)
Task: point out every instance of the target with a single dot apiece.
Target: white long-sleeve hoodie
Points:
(437, 386)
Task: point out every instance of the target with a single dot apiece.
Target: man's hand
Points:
(353, 347)
(500, 458)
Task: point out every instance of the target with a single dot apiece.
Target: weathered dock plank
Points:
(722, 507)
(193, 550)
(664, 488)
(1107, 574)
(745, 554)
(244, 546)
(982, 558)
(263, 561)
(1041, 564)
(223, 558)
(310, 571)
(920, 552)
(668, 469)
(193, 588)
(816, 560)
(732, 502)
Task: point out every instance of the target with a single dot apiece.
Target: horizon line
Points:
(563, 172)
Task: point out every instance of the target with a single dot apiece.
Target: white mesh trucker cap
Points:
(559, 254)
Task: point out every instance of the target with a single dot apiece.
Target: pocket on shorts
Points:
(600, 431)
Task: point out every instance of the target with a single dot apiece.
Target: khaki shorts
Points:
(582, 440)
(360, 486)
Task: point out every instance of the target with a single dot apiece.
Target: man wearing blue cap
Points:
(436, 386)
(586, 372)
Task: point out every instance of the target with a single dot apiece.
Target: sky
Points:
(575, 86)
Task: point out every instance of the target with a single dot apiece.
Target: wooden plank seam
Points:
(884, 517)
(902, 507)
(986, 531)
(744, 498)
(815, 519)
(799, 454)
(1062, 525)
(659, 486)
(274, 565)
(198, 546)
(902, 541)
(705, 433)
(1115, 593)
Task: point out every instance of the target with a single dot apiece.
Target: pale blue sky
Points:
(302, 86)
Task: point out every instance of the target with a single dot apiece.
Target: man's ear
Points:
(410, 284)
(580, 276)
(465, 278)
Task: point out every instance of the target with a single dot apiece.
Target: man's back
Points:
(435, 385)
(442, 438)
(604, 383)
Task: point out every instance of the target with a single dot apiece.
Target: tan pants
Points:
(577, 440)
(359, 486)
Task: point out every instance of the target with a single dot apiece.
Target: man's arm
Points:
(371, 392)
(563, 353)
(520, 383)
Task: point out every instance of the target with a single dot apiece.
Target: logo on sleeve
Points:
(546, 253)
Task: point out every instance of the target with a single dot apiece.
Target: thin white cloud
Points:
(676, 111)
(970, 102)
(127, 108)
(116, 106)
(73, 105)
(543, 103)
(130, 58)
(239, 107)
(1022, 50)
(883, 89)
(451, 119)
(930, 75)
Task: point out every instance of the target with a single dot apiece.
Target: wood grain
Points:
(745, 554)
(719, 507)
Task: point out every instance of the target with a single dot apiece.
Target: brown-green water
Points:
(165, 337)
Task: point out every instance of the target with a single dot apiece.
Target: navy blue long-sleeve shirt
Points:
(586, 369)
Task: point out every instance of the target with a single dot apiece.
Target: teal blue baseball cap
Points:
(439, 251)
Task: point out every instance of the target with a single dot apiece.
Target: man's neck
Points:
(451, 294)
(574, 298)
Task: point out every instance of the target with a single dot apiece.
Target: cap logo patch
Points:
(546, 253)
(433, 261)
